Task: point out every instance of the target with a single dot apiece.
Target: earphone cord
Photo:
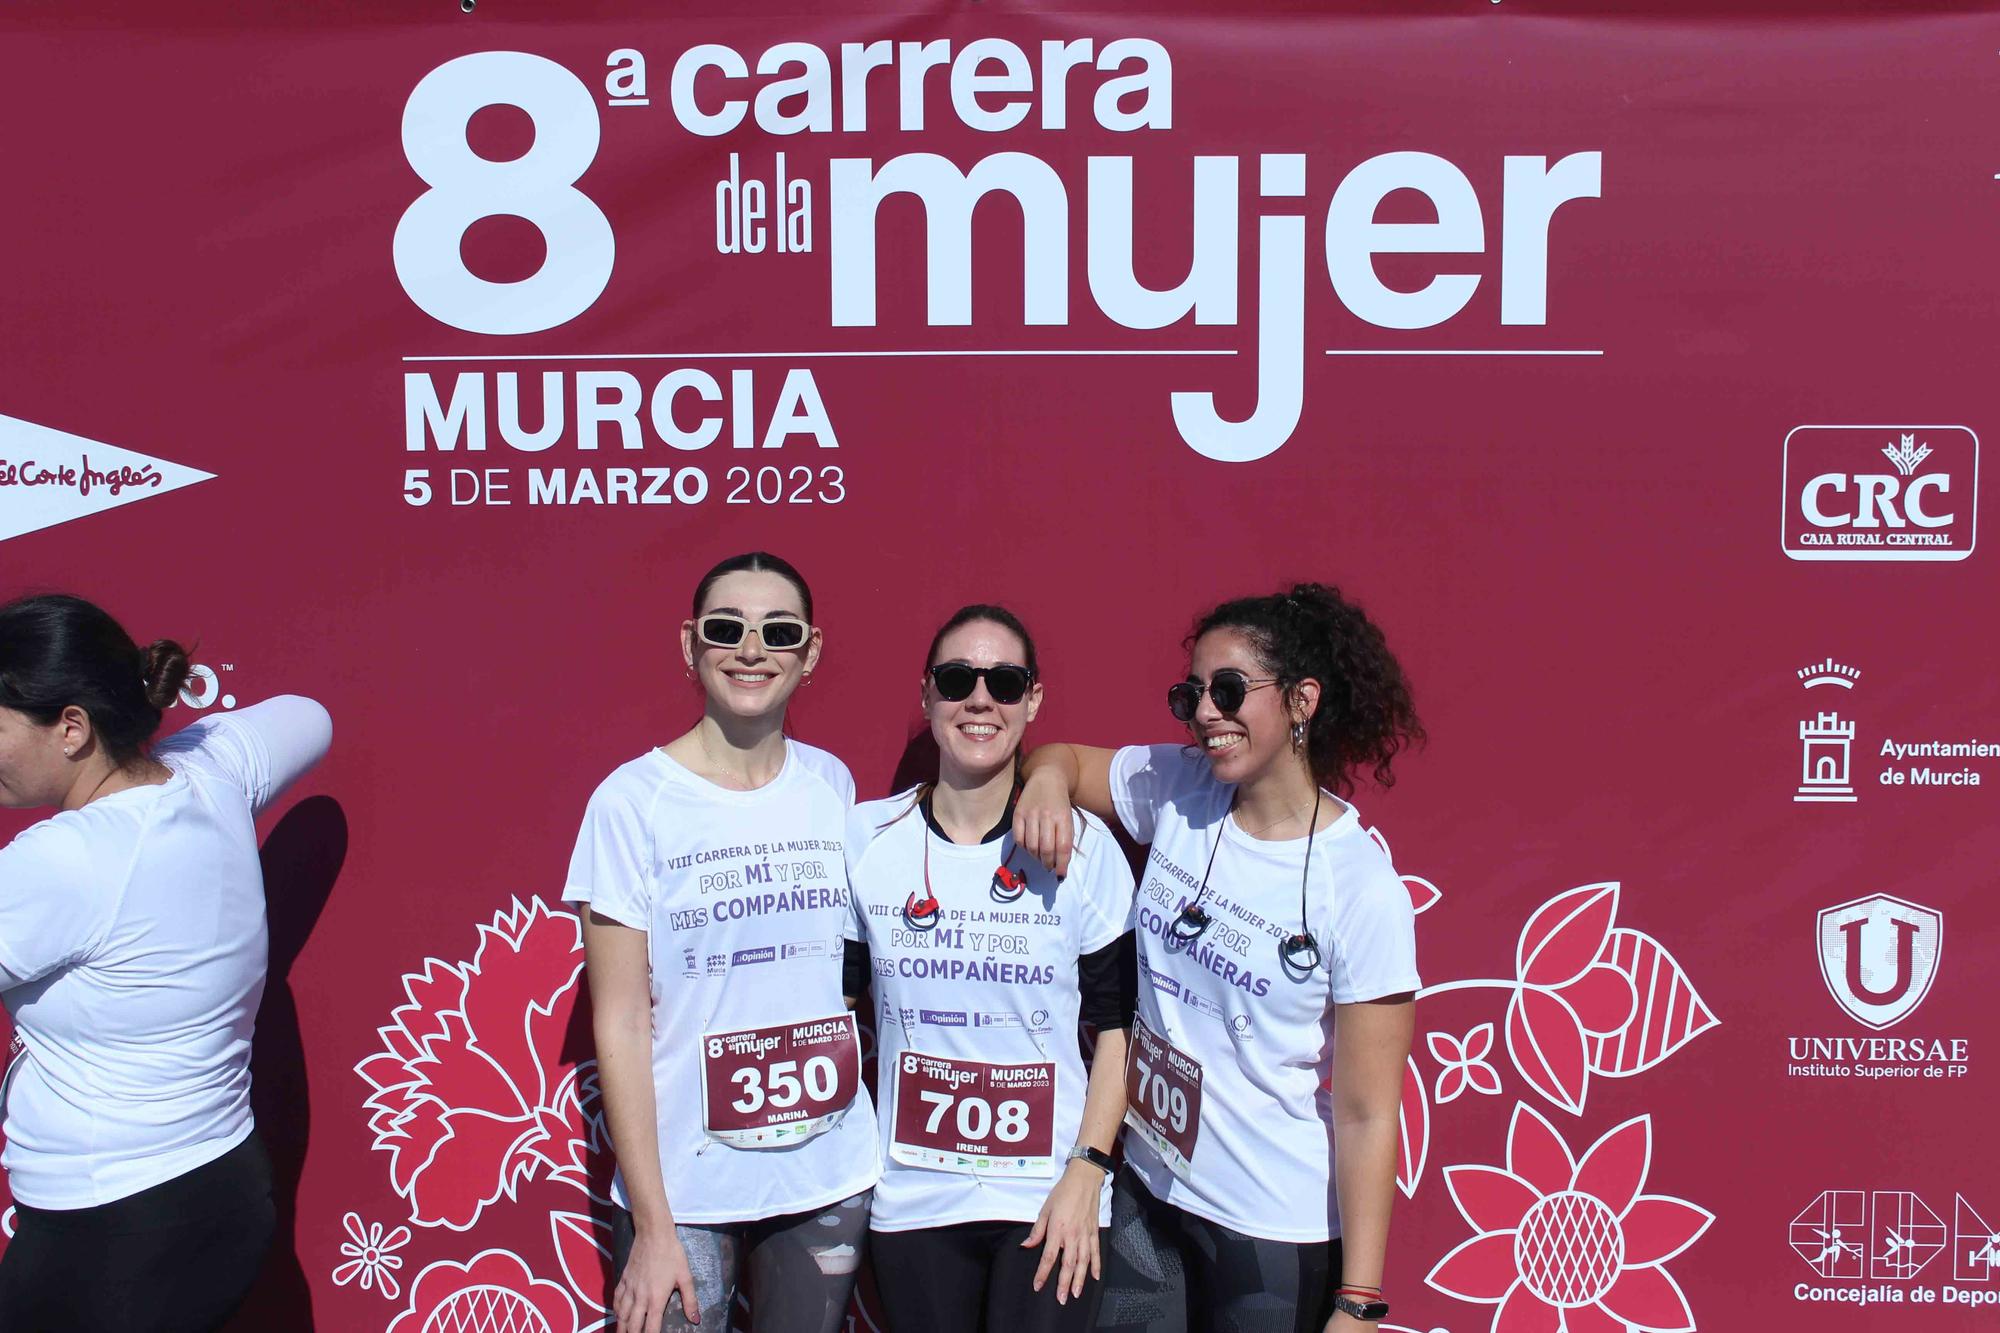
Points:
(1311, 829)
(1195, 906)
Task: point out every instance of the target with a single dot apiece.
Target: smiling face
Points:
(1242, 746)
(748, 680)
(977, 737)
(32, 768)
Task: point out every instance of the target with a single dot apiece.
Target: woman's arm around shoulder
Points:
(1054, 778)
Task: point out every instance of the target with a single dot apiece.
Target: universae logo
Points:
(1879, 956)
(1880, 493)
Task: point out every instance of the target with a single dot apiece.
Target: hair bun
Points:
(166, 668)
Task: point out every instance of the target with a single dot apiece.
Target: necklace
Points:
(740, 775)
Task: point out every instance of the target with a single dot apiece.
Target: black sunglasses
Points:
(1227, 687)
(1007, 683)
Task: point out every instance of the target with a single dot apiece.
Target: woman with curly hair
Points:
(1277, 974)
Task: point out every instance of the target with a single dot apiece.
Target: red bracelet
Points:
(1360, 1291)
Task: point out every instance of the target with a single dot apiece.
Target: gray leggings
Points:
(800, 1266)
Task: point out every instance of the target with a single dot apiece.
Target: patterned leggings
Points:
(801, 1267)
(1168, 1271)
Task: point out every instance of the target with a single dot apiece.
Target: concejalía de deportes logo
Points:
(1888, 1247)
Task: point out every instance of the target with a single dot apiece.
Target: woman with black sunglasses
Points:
(997, 1142)
(1277, 973)
(729, 1062)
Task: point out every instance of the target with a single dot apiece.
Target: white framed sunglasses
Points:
(721, 629)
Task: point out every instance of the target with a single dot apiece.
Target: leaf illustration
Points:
(1565, 935)
(1547, 1044)
(1423, 893)
(1415, 1123)
(1668, 1015)
(583, 1248)
(528, 963)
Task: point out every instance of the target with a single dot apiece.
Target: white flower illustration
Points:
(1464, 1063)
(371, 1256)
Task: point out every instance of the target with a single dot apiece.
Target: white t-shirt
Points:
(132, 958)
(993, 982)
(743, 897)
(1263, 1161)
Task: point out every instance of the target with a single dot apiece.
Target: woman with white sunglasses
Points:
(728, 1059)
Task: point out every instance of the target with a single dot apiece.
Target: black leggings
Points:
(1168, 1271)
(969, 1278)
(176, 1258)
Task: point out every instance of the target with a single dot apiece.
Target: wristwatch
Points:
(1371, 1310)
(1101, 1160)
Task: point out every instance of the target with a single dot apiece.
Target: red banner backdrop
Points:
(1633, 370)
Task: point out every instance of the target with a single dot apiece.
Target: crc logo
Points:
(1880, 492)
(1879, 956)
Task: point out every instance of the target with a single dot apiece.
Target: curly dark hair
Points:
(1365, 716)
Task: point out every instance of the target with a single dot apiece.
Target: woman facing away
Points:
(132, 959)
(1277, 974)
(728, 1059)
(997, 1141)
